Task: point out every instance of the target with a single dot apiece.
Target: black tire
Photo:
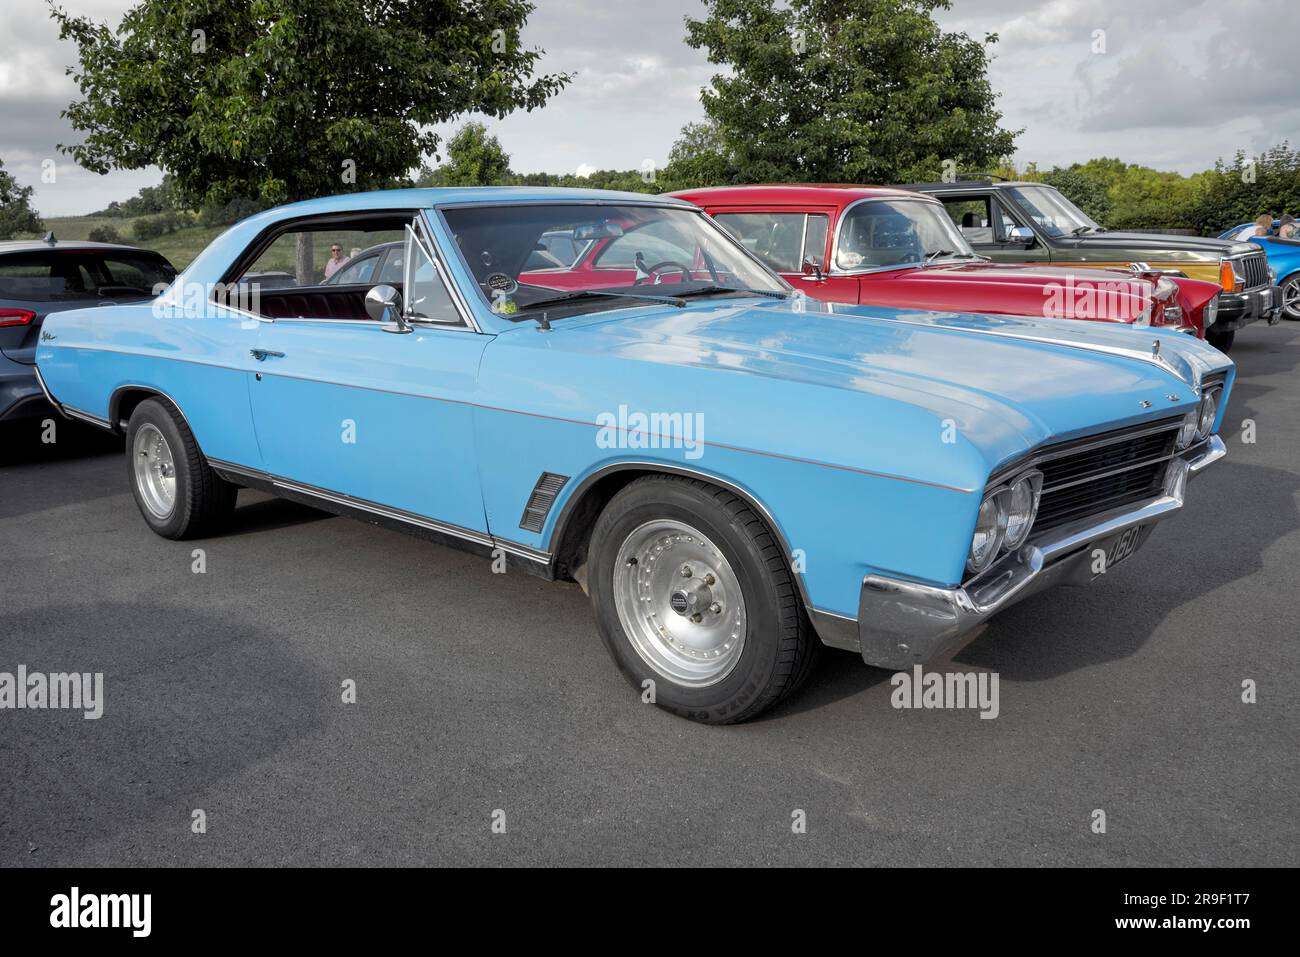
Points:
(203, 500)
(1294, 278)
(1221, 340)
(780, 647)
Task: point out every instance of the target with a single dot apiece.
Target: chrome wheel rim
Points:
(679, 603)
(155, 471)
(1291, 298)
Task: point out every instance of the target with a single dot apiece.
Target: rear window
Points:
(59, 275)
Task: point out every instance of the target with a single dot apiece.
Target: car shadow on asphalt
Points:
(28, 442)
(258, 512)
(190, 699)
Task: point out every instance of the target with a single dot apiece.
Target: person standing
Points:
(335, 261)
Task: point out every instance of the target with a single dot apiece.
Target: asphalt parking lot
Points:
(479, 693)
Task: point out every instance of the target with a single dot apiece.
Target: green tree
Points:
(474, 158)
(858, 91)
(1250, 186)
(16, 213)
(277, 100)
(1085, 191)
(698, 158)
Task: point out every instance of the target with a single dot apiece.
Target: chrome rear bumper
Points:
(902, 623)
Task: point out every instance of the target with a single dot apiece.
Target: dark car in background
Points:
(40, 277)
(1035, 223)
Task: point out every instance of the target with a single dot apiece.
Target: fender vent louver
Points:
(541, 500)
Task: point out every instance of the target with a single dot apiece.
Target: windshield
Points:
(519, 255)
(1055, 214)
(898, 232)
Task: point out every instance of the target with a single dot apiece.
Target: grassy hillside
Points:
(179, 247)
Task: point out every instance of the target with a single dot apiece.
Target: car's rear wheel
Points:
(692, 592)
(1221, 340)
(174, 487)
(1290, 292)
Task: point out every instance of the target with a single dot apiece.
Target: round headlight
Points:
(1187, 431)
(990, 525)
(1207, 413)
(1022, 506)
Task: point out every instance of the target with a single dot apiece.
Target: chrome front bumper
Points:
(901, 623)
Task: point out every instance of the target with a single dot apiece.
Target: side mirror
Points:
(383, 300)
(813, 268)
(1021, 234)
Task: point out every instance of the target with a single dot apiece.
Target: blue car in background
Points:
(734, 473)
(1283, 258)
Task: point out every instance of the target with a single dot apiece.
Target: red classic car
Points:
(892, 247)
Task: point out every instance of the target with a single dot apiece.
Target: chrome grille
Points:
(1094, 475)
(1254, 269)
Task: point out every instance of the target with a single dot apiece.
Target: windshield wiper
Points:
(708, 290)
(1080, 230)
(944, 253)
(598, 293)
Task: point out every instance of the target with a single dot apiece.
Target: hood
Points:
(1196, 246)
(1025, 289)
(871, 387)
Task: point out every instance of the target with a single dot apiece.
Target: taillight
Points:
(1227, 278)
(16, 317)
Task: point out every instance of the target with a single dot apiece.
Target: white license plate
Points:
(1123, 546)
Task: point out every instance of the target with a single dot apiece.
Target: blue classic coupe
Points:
(734, 473)
(1283, 260)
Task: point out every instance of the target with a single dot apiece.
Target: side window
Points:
(355, 272)
(973, 217)
(782, 240)
(814, 239)
(300, 257)
(1004, 225)
(427, 298)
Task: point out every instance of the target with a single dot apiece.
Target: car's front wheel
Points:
(696, 602)
(174, 487)
(1290, 292)
(1221, 340)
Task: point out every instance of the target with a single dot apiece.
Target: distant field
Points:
(179, 247)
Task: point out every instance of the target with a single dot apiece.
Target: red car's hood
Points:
(1025, 273)
(1015, 289)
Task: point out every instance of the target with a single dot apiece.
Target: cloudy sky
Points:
(1179, 83)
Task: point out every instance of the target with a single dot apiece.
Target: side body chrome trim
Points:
(443, 532)
(40, 380)
(119, 425)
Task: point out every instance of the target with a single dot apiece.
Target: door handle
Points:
(261, 354)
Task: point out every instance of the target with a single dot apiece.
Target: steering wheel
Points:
(659, 267)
